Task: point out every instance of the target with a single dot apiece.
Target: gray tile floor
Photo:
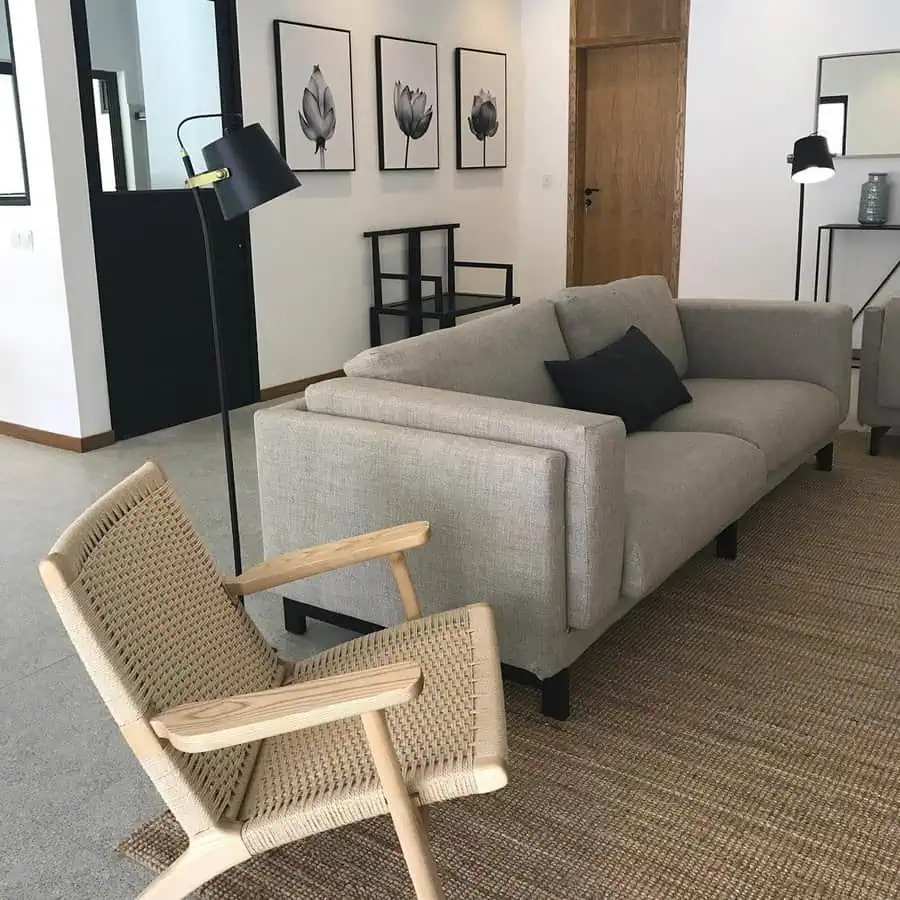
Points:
(70, 787)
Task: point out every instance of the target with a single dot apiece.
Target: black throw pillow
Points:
(631, 378)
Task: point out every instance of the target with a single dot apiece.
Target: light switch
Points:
(547, 181)
(22, 240)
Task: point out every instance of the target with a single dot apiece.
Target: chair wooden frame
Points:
(210, 725)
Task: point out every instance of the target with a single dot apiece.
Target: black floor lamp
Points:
(246, 170)
(811, 163)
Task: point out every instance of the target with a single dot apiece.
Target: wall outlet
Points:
(22, 240)
(547, 181)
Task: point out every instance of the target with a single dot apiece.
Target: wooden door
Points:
(628, 165)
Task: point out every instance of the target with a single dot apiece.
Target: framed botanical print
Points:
(406, 76)
(314, 73)
(481, 109)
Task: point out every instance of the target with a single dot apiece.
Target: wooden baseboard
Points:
(296, 387)
(60, 441)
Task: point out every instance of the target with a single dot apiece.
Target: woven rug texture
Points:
(735, 737)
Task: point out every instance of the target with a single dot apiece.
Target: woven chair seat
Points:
(451, 741)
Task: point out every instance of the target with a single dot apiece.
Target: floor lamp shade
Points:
(812, 160)
(257, 171)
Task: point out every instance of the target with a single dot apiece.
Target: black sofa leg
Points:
(825, 458)
(727, 543)
(294, 617)
(878, 432)
(555, 696)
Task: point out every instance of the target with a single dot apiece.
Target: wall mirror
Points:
(13, 175)
(859, 103)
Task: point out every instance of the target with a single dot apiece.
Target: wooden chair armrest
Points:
(214, 724)
(326, 558)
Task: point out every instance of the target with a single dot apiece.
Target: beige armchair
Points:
(250, 751)
(879, 377)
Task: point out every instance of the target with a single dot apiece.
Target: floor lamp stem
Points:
(223, 388)
(800, 242)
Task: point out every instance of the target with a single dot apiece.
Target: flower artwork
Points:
(315, 97)
(413, 115)
(406, 82)
(317, 117)
(483, 121)
(481, 141)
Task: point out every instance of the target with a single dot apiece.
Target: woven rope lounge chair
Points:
(249, 751)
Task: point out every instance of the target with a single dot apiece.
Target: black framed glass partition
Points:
(13, 170)
(153, 63)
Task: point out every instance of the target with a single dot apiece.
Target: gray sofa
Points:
(879, 376)
(553, 516)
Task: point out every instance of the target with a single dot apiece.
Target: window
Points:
(833, 123)
(13, 176)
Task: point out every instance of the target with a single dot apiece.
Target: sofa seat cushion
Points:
(783, 418)
(681, 491)
(501, 355)
(591, 318)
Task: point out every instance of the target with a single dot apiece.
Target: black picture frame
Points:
(9, 68)
(384, 153)
(463, 110)
(279, 25)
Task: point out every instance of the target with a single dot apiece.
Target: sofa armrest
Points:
(497, 513)
(879, 377)
(770, 339)
(594, 446)
(873, 329)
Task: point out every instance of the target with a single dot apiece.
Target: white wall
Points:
(52, 373)
(752, 68)
(543, 195)
(751, 92)
(179, 60)
(312, 268)
(872, 87)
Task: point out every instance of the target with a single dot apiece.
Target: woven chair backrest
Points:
(144, 605)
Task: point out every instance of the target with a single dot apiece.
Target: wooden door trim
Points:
(679, 149)
(627, 40)
(577, 88)
(577, 92)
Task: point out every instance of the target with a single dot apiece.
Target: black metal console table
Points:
(443, 306)
(829, 259)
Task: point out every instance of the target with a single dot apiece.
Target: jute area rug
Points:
(737, 736)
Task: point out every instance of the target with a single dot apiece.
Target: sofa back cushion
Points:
(501, 355)
(591, 318)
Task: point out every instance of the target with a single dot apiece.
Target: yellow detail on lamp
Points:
(214, 176)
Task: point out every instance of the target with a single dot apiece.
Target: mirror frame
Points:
(16, 199)
(822, 61)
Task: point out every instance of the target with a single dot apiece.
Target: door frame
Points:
(231, 102)
(578, 50)
(110, 83)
